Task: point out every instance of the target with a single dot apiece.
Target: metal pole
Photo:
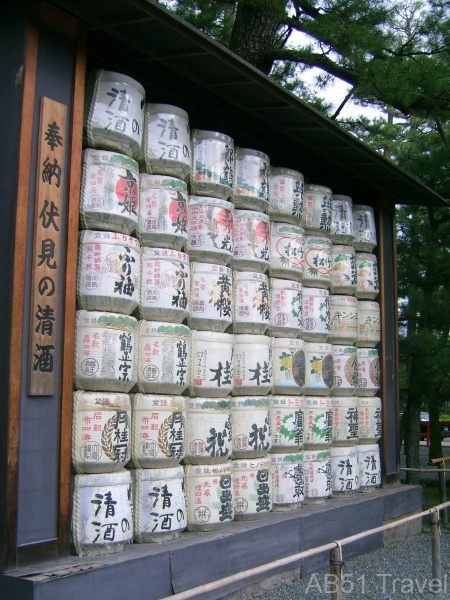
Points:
(443, 493)
(436, 548)
(336, 564)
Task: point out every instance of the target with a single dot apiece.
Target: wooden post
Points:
(436, 546)
(336, 564)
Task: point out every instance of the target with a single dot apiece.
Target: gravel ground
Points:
(401, 571)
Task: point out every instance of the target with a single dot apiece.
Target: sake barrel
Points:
(369, 376)
(105, 351)
(364, 228)
(163, 211)
(342, 228)
(164, 357)
(343, 319)
(370, 422)
(159, 504)
(212, 172)
(158, 426)
(368, 324)
(345, 367)
(208, 431)
(288, 485)
(343, 270)
(252, 433)
(369, 467)
(101, 431)
(108, 272)
(252, 486)
(251, 241)
(211, 297)
(316, 215)
(345, 420)
(286, 418)
(109, 198)
(209, 497)
(368, 283)
(317, 419)
(288, 358)
(251, 309)
(252, 365)
(113, 112)
(286, 308)
(166, 143)
(165, 285)
(317, 269)
(252, 179)
(344, 471)
(211, 374)
(286, 195)
(211, 230)
(319, 376)
(316, 324)
(317, 476)
(286, 251)
(102, 513)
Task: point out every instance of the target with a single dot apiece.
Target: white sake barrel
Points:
(317, 420)
(166, 142)
(163, 211)
(211, 297)
(158, 426)
(364, 228)
(211, 230)
(165, 285)
(345, 420)
(316, 215)
(286, 195)
(370, 422)
(369, 376)
(344, 471)
(316, 325)
(164, 357)
(108, 271)
(286, 308)
(252, 434)
(251, 302)
(209, 497)
(159, 504)
(317, 269)
(251, 241)
(369, 467)
(345, 367)
(211, 373)
(113, 112)
(102, 513)
(288, 358)
(208, 431)
(343, 319)
(106, 347)
(286, 418)
(286, 251)
(342, 229)
(252, 180)
(252, 486)
(101, 431)
(343, 270)
(287, 481)
(317, 476)
(369, 331)
(319, 376)
(109, 198)
(212, 172)
(368, 283)
(252, 365)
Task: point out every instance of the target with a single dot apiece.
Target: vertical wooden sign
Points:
(47, 272)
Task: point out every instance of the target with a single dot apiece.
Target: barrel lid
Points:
(206, 134)
(95, 156)
(121, 477)
(341, 198)
(120, 78)
(194, 200)
(151, 181)
(164, 254)
(251, 214)
(106, 319)
(287, 229)
(242, 152)
(285, 284)
(251, 338)
(107, 237)
(274, 171)
(164, 329)
(152, 108)
(212, 336)
(313, 187)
